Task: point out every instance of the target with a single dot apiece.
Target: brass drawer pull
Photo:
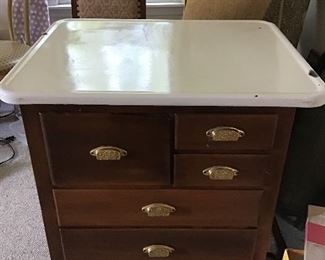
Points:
(158, 251)
(225, 134)
(158, 210)
(108, 153)
(220, 173)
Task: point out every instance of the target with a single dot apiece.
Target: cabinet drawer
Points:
(190, 208)
(220, 170)
(126, 244)
(225, 132)
(71, 136)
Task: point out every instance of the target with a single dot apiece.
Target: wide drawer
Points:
(134, 244)
(216, 170)
(142, 208)
(70, 137)
(225, 132)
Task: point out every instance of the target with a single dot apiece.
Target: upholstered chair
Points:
(288, 15)
(225, 9)
(11, 51)
(114, 9)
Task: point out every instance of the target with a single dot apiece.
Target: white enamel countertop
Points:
(160, 62)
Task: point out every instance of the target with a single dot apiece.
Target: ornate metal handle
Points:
(108, 153)
(225, 134)
(158, 251)
(220, 173)
(158, 210)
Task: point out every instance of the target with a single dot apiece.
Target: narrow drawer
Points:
(215, 170)
(225, 132)
(142, 208)
(143, 160)
(182, 244)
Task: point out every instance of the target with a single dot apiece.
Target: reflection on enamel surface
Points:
(126, 60)
(153, 62)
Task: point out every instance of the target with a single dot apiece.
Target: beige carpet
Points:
(22, 235)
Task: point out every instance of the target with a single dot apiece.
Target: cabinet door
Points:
(98, 149)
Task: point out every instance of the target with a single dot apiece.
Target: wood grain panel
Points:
(111, 208)
(272, 182)
(251, 170)
(71, 136)
(259, 131)
(43, 180)
(127, 244)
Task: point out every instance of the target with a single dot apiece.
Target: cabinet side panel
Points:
(42, 177)
(273, 181)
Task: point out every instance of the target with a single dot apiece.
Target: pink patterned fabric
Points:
(39, 19)
(315, 233)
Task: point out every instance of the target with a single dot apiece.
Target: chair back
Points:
(225, 9)
(279, 12)
(113, 9)
(289, 16)
(26, 21)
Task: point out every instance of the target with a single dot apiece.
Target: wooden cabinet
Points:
(171, 134)
(185, 183)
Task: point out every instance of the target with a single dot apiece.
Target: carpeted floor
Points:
(22, 235)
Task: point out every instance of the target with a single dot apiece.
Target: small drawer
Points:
(142, 244)
(95, 150)
(225, 132)
(215, 170)
(158, 208)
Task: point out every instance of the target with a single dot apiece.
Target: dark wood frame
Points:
(142, 6)
(41, 167)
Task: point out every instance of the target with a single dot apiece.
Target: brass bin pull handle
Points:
(225, 134)
(220, 173)
(158, 210)
(108, 153)
(158, 251)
